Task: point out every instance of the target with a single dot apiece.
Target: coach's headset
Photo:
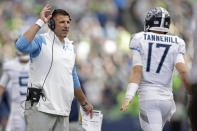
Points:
(51, 22)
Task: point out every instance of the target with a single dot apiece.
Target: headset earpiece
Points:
(51, 23)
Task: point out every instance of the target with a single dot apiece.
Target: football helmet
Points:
(157, 19)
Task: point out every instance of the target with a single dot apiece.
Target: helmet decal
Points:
(157, 19)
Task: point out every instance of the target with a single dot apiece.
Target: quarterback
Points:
(155, 54)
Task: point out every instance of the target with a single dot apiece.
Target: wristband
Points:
(131, 90)
(40, 22)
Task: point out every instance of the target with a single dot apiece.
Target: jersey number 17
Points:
(150, 46)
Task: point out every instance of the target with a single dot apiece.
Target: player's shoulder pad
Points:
(138, 35)
(180, 41)
(135, 38)
(181, 45)
(9, 65)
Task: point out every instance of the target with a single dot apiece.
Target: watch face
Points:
(84, 104)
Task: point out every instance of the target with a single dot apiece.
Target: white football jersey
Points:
(17, 75)
(158, 55)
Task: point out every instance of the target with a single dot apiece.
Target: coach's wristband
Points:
(131, 90)
(40, 22)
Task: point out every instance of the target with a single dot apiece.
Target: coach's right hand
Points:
(125, 104)
(45, 14)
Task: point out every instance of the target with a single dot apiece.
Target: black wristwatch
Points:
(84, 103)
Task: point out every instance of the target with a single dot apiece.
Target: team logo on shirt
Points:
(66, 47)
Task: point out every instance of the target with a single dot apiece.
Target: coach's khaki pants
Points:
(40, 121)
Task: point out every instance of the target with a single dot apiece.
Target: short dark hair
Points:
(61, 12)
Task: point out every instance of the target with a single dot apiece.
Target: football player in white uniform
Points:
(16, 72)
(155, 54)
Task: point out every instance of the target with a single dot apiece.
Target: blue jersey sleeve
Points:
(75, 78)
(33, 48)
